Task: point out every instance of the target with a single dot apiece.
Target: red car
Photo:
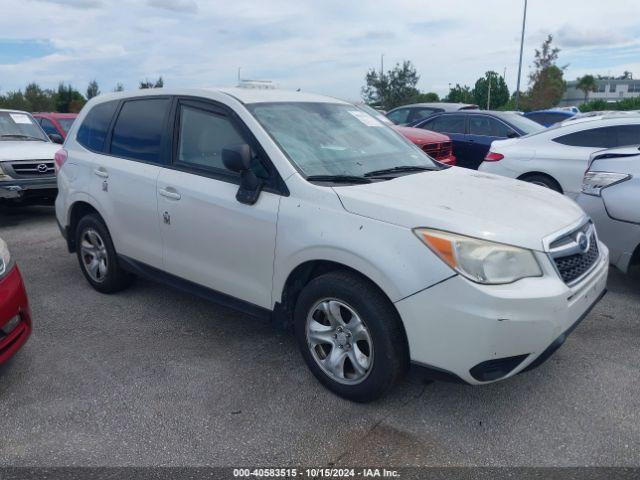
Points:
(55, 124)
(15, 315)
(436, 145)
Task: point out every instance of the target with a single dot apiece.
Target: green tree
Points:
(587, 84)
(68, 99)
(119, 87)
(92, 90)
(460, 94)
(499, 91)
(14, 100)
(546, 81)
(38, 100)
(427, 97)
(396, 87)
(159, 83)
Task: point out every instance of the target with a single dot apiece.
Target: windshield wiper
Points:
(338, 179)
(398, 169)
(19, 135)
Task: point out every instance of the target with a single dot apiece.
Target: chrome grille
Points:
(31, 168)
(438, 151)
(575, 254)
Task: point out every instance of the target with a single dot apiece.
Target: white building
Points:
(608, 90)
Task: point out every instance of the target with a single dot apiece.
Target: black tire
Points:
(390, 355)
(115, 279)
(543, 181)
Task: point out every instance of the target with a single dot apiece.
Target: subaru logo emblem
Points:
(583, 242)
(42, 168)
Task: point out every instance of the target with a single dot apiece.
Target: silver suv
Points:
(611, 195)
(27, 169)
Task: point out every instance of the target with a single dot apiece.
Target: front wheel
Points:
(350, 336)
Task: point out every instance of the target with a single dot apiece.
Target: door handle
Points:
(172, 194)
(101, 172)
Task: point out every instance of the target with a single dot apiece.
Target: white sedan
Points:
(557, 157)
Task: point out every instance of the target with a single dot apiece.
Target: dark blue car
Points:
(546, 118)
(472, 131)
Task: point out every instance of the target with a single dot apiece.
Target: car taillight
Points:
(493, 157)
(60, 157)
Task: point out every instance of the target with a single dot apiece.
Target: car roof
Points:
(450, 106)
(243, 95)
(606, 116)
(10, 110)
(553, 110)
(55, 114)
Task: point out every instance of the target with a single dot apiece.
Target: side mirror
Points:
(237, 158)
(56, 138)
(513, 134)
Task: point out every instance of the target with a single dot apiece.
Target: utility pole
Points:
(381, 66)
(239, 68)
(524, 20)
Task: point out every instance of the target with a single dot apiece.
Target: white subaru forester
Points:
(306, 209)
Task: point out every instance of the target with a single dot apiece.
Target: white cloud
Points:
(325, 46)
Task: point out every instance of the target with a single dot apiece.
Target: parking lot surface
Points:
(153, 376)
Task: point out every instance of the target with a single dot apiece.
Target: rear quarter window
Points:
(93, 131)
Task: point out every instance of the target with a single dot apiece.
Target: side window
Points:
(399, 116)
(93, 130)
(603, 137)
(628, 135)
(420, 113)
(480, 125)
(48, 127)
(203, 136)
(139, 129)
(447, 124)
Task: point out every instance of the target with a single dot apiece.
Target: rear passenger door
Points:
(124, 179)
(210, 238)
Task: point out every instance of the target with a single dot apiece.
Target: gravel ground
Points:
(153, 376)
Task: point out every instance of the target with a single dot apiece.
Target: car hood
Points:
(420, 136)
(27, 150)
(466, 202)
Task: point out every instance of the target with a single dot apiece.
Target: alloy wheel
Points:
(94, 255)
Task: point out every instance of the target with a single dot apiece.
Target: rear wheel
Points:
(97, 256)
(543, 181)
(350, 336)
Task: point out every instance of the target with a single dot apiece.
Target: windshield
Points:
(525, 124)
(66, 123)
(336, 139)
(19, 126)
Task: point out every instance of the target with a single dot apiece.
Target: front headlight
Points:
(3, 175)
(5, 258)
(481, 261)
(594, 182)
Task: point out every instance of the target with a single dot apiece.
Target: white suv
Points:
(307, 210)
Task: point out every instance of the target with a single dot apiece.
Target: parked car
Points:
(546, 118)
(26, 160)
(557, 157)
(306, 210)
(15, 315)
(410, 114)
(611, 195)
(56, 125)
(472, 131)
(436, 145)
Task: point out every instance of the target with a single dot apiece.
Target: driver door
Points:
(208, 236)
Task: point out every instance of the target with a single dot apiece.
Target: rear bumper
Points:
(479, 333)
(19, 188)
(13, 304)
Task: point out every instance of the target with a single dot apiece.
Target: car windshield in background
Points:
(66, 123)
(525, 124)
(19, 126)
(336, 139)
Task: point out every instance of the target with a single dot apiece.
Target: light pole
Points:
(524, 20)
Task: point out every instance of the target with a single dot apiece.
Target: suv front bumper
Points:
(18, 188)
(483, 333)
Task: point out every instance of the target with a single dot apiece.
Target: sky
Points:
(324, 46)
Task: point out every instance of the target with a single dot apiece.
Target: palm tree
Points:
(587, 84)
